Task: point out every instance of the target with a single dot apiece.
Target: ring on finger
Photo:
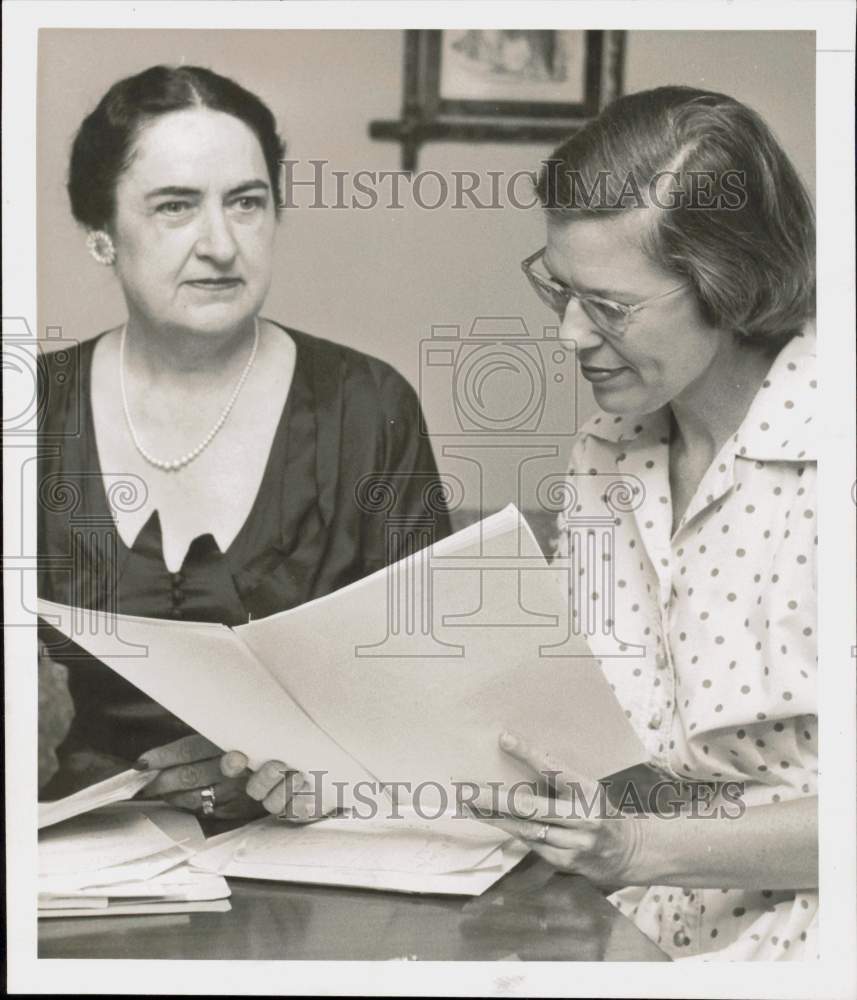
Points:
(209, 800)
(542, 836)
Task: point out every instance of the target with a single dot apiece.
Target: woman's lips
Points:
(598, 375)
(213, 285)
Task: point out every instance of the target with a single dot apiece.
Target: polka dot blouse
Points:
(711, 645)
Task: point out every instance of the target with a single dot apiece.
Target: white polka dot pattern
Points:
(725, 609)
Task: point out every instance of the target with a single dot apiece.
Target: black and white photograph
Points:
(430, 499)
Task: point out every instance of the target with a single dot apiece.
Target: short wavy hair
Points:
(104, 144)
(747, 248)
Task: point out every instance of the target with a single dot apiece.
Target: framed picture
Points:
(502, 85)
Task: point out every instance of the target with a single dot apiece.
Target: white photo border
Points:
(832, 976)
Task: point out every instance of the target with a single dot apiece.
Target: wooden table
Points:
(534, 913)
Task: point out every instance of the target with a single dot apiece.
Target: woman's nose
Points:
(216, 240)
(577, 326)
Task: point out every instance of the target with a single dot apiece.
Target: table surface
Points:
(533, 913)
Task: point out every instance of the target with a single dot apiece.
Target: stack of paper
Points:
(406, 854)
(127, 858)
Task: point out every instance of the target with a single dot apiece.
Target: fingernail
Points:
(508, 741)
(140, 764)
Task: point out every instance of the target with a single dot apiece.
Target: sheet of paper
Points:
(49, 902)
(116, 789)
(177, 831)
(179, 825)
(96, 841)
(469, 832)
(106, 878)
(206, 676)
(234, 855)
(471, 883)
(121, 909)
(432, 658)
(220, 849)
(180, 883)
(371, 845)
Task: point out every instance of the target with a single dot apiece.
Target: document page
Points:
(206, 676)
(99, 840)
(448, 856)
(116, 789)
(433, 847)
(418, 668)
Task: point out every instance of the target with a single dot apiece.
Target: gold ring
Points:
(542, 835)
(209, 800)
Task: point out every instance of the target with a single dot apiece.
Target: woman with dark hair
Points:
(680, 260)
(214, 475)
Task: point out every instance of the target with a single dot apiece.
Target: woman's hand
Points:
(279, 789)
(577, 831)
(191, 778)
(726, 846)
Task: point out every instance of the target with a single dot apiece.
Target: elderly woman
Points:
(679, 258)
(243, 441)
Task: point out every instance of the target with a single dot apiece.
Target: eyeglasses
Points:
(610, 317)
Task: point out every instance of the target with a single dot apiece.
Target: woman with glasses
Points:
(680, 261)
(211, 455)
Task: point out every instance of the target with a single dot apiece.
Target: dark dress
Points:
(316, 524)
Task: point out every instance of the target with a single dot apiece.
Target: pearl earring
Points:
(101, 247)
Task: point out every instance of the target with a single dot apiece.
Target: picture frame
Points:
(474, 85)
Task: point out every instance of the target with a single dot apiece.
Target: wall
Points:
(376, 279)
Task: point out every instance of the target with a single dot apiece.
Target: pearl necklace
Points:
(186, 459)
